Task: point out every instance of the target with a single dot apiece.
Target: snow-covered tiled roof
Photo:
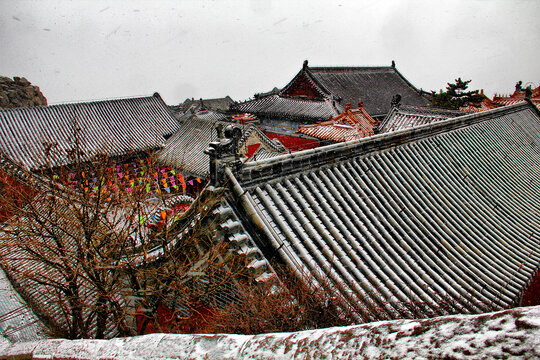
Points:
(288, 107)
(350, 125)
(373, 85)
(421, 222)
(263, 153)
(404, 117)
(115, 127)
(184, 151)
(17, 321)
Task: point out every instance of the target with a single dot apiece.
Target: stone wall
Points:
(510, 334)
(19, 92)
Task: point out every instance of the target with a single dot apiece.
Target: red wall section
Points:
(294, 143)
(302, 87)
(12, 194)
(531, 296)
(252, 149)
(167, 321)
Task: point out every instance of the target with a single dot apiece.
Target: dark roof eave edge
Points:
(535, 108)
(265, 115)
(408, 82)
(322, 89)
(315, 157)
(94, 101)
(165, 106)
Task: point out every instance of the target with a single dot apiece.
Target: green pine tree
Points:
(456, 96)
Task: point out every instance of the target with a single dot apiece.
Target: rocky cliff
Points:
(19, 92)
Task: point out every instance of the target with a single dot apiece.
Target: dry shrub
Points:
(292, 304)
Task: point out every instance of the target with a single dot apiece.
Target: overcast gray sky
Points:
(86, 50)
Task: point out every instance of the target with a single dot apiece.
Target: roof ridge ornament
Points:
(396, 99)
(224, 153)
(304, 67)
(528, 92)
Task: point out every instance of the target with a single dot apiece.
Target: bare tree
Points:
(286, 303)
(96, 250)
(63, 246)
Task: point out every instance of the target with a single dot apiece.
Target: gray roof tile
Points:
(184, 151)
(374, 86)
(404, 117)
(285, 107)
(422, 222)
(17, 322)
(116, 127)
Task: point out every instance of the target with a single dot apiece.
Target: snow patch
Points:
(508, 334)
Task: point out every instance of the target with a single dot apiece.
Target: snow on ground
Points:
(510, 334)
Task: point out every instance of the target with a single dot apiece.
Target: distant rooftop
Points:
(285, 107)
(192, 105)
(184, 151)
(45, 136)
(375, 86)
(350, 125)
(317, 93)
(404, 117)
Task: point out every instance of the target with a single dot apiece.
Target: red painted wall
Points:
(12, 194)
(252, 149)
(294, 143)
(531, 296)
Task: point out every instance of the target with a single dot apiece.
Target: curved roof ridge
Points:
(275, 96)
(323, 91)
(317, 84)
(278, 105)
(430, 110)
(394, 120)
(421, 92)
(252, 129)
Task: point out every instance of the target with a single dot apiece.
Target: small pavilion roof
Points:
(350, 125)
(404, 117)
